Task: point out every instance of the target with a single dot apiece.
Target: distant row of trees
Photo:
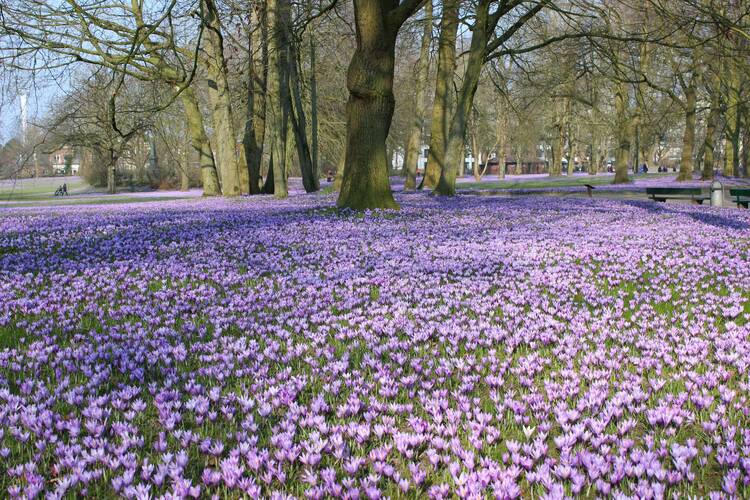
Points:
(264, 89)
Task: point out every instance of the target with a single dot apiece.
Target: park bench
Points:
(663, 194)
(740, 196)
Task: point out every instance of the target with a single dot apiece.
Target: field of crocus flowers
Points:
(483, 347)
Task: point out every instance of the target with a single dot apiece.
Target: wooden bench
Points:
(663, 194)
(741, 196)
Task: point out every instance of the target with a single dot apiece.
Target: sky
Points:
(40, 98)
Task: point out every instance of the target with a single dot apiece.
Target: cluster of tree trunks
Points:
(414, 143)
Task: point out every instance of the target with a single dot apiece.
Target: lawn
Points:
(40, 189)
(544, 182)
(469, 347)
(41, 193)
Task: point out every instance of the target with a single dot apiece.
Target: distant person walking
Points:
(64, 189)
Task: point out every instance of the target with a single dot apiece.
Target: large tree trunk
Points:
(200, 143)
(442, 105)
(232, 182)
(414, 143)
(369, 110)
(255, 119)
(278, 91)
(623, 134)
(688, 137)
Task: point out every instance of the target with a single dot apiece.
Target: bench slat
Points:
(674, 191)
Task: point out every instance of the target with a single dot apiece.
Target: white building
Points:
(58, 161)
(422, 160)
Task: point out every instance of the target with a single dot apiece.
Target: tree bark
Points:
(232, 182)
(623, 133)
(200, 143)
(593, 159)
(732, 137)
(339, 173)
(278, 92)
(571, 154)
(558, 141)
(255, 119)
(745, 171)
(370, 107)
(442, 105)
(184, 171)
(688, 138)
(502, 139)
(477, 157)
(268, 185)
(455, 148)
(314, 144)
(310, 178)
(112, 173)
(414, 143)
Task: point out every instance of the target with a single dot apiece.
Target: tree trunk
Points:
(688, 138)
(232, 182)
(268, 185)
(442, 105)
(278, 91)
(455, 147)
(623, 134)
(595, 156)
(502, 137)
(339, 172)
(369, 110)
(558, 141)
(593, 159)
(571, 156)
(255, 119)
(571, 149)
(200, 143)
(310, 179)
(112, 173)
(314, 104)
(732, 138)
(477, 157)
(414, 144)
(185, 170)
(745, 171)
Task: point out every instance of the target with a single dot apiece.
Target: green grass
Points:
(94, 200)
(551, 182)
(40, 189)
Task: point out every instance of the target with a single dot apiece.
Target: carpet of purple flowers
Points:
(479, 347)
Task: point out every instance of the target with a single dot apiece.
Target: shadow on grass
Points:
(704, 217)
